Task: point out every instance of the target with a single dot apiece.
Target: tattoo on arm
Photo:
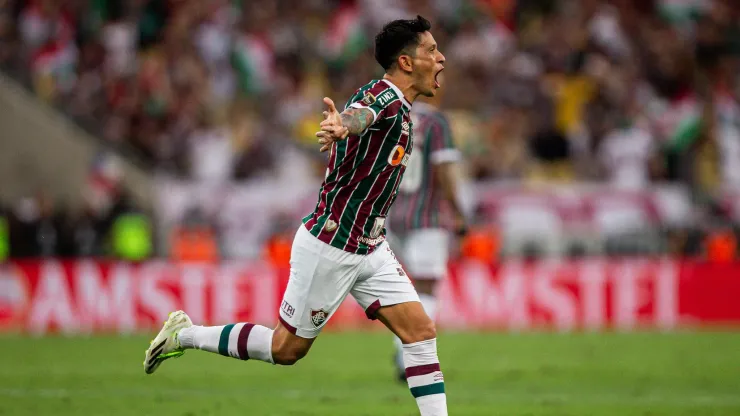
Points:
(357, 119)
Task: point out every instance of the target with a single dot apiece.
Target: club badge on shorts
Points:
(318, 317)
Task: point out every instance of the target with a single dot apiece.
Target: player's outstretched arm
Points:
(357, 119)
(336, 126)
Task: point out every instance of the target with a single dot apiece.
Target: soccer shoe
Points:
(166, 345)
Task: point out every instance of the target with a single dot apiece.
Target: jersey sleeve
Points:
(442, 147)
(377, 99)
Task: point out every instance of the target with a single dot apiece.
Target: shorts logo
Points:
(288, 309)
(330, 225)
(397, 155)
(368, 99)
(318, 317)
(400, 272)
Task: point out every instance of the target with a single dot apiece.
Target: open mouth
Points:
(436, 78)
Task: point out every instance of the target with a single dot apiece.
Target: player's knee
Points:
(287, 354)
(422, 332)
(289, 357)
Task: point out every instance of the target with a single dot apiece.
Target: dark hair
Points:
(396, 37)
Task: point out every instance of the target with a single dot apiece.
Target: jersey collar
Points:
(398, 93)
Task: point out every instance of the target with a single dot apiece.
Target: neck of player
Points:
(404, 84)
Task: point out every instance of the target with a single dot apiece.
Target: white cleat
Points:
(166, 345)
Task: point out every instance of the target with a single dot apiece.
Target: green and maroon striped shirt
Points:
(420, 201)
(364, 173)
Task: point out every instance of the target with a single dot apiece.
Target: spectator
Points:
(194, 239)
(35, 227)
(625, 92)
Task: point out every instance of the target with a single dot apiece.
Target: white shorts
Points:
(426, 252)
(321, 276)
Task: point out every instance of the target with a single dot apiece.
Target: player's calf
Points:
(243, 341)
(423, 373)
(246, 341)
(408, 321)
(423, 330)
(425, 287)
(288, 348)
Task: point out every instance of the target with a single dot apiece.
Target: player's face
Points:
(428, 63)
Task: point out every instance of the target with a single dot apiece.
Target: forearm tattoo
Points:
(357, 119)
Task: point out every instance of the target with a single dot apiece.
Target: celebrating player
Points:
(427, 197)
(340, 248)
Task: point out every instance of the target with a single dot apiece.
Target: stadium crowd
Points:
(629, 92)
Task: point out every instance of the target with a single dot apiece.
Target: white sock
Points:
(425, 377)
(243, 341)
(429, 303)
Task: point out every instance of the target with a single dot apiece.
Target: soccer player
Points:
(340, 248)
(427, 196)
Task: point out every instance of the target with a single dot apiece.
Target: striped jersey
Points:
(364, 173)
(421, 203)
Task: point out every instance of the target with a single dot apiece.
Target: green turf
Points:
(351, 374)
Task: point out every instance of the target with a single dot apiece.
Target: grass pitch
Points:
(351, 374)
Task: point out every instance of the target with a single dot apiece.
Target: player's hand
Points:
(332, 129)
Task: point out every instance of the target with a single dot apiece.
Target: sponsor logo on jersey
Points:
(318, 317)
(386, 97)
(288, 309)
(372, 242)
(330, 225)
(405, 128)
(368, 99)
(397, 155)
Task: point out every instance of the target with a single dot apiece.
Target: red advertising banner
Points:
(91, 296)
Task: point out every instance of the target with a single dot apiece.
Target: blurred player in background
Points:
(427, 206)
(340, 248)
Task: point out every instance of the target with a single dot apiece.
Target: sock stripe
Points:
(241, 342)
(429, 389)
(223, 341)
(421, 370)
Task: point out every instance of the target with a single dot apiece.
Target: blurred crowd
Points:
(627, 91)
(624, 91)
(107, 222)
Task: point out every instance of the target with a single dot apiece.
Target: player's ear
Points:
(404, 63)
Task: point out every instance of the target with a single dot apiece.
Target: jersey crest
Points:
(368, 99)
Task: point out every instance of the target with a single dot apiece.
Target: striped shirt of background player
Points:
(420, 199)
(361, 184)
